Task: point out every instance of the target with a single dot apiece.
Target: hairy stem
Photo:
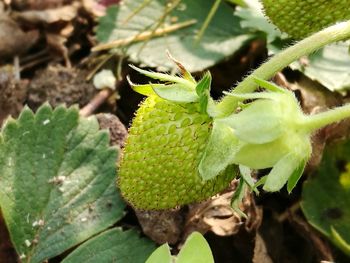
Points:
(319, 120)
(281, 60)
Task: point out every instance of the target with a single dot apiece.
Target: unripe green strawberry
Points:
(300, 18)
(159, 168)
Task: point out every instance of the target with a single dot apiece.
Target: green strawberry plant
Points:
(195, 249)
(57, 188)
(58, 173)
(328, 65)
(170, 121)
(156, 171)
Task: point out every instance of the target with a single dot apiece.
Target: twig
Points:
(334, 33)
(144, 35)
(96, 102)
(17, 70)
(30, 57)
(136, 11)
(208, 20)
(323, 249)
(99, 65)
(36, 62)
(167, 10)
(290, 211)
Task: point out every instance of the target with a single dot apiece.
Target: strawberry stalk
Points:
(278, 62)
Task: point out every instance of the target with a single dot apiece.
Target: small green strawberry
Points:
(300, 18)
(159, 167)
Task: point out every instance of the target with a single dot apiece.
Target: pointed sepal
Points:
(281, 172)
(175, 93)
(219, 151)
(164, 77)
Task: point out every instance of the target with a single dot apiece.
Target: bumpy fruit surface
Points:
(300, 18)
(159, 167)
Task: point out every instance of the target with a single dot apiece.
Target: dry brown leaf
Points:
(65, 25)
(315, 97)
(261, 254)
(220, 218)
(14, 41)
(56, 43)
(57, 23)
(216, 215)
(37, 4)
(322, 248)
(48, 16)
(2, 8)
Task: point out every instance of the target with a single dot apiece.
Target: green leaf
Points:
(160, 255)
(281, 172)
(203, 91)
(237, 2)
(57, 181)
(329, 66)
(113, 245)
(223, 37)
(175, 93)
(326, 196)
(219, 151)
(339, 241)
(208, 19)
(195, 249)
(254, 20)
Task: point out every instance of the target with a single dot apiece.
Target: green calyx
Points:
(159, 168)
(300, 18)
(270, 133)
